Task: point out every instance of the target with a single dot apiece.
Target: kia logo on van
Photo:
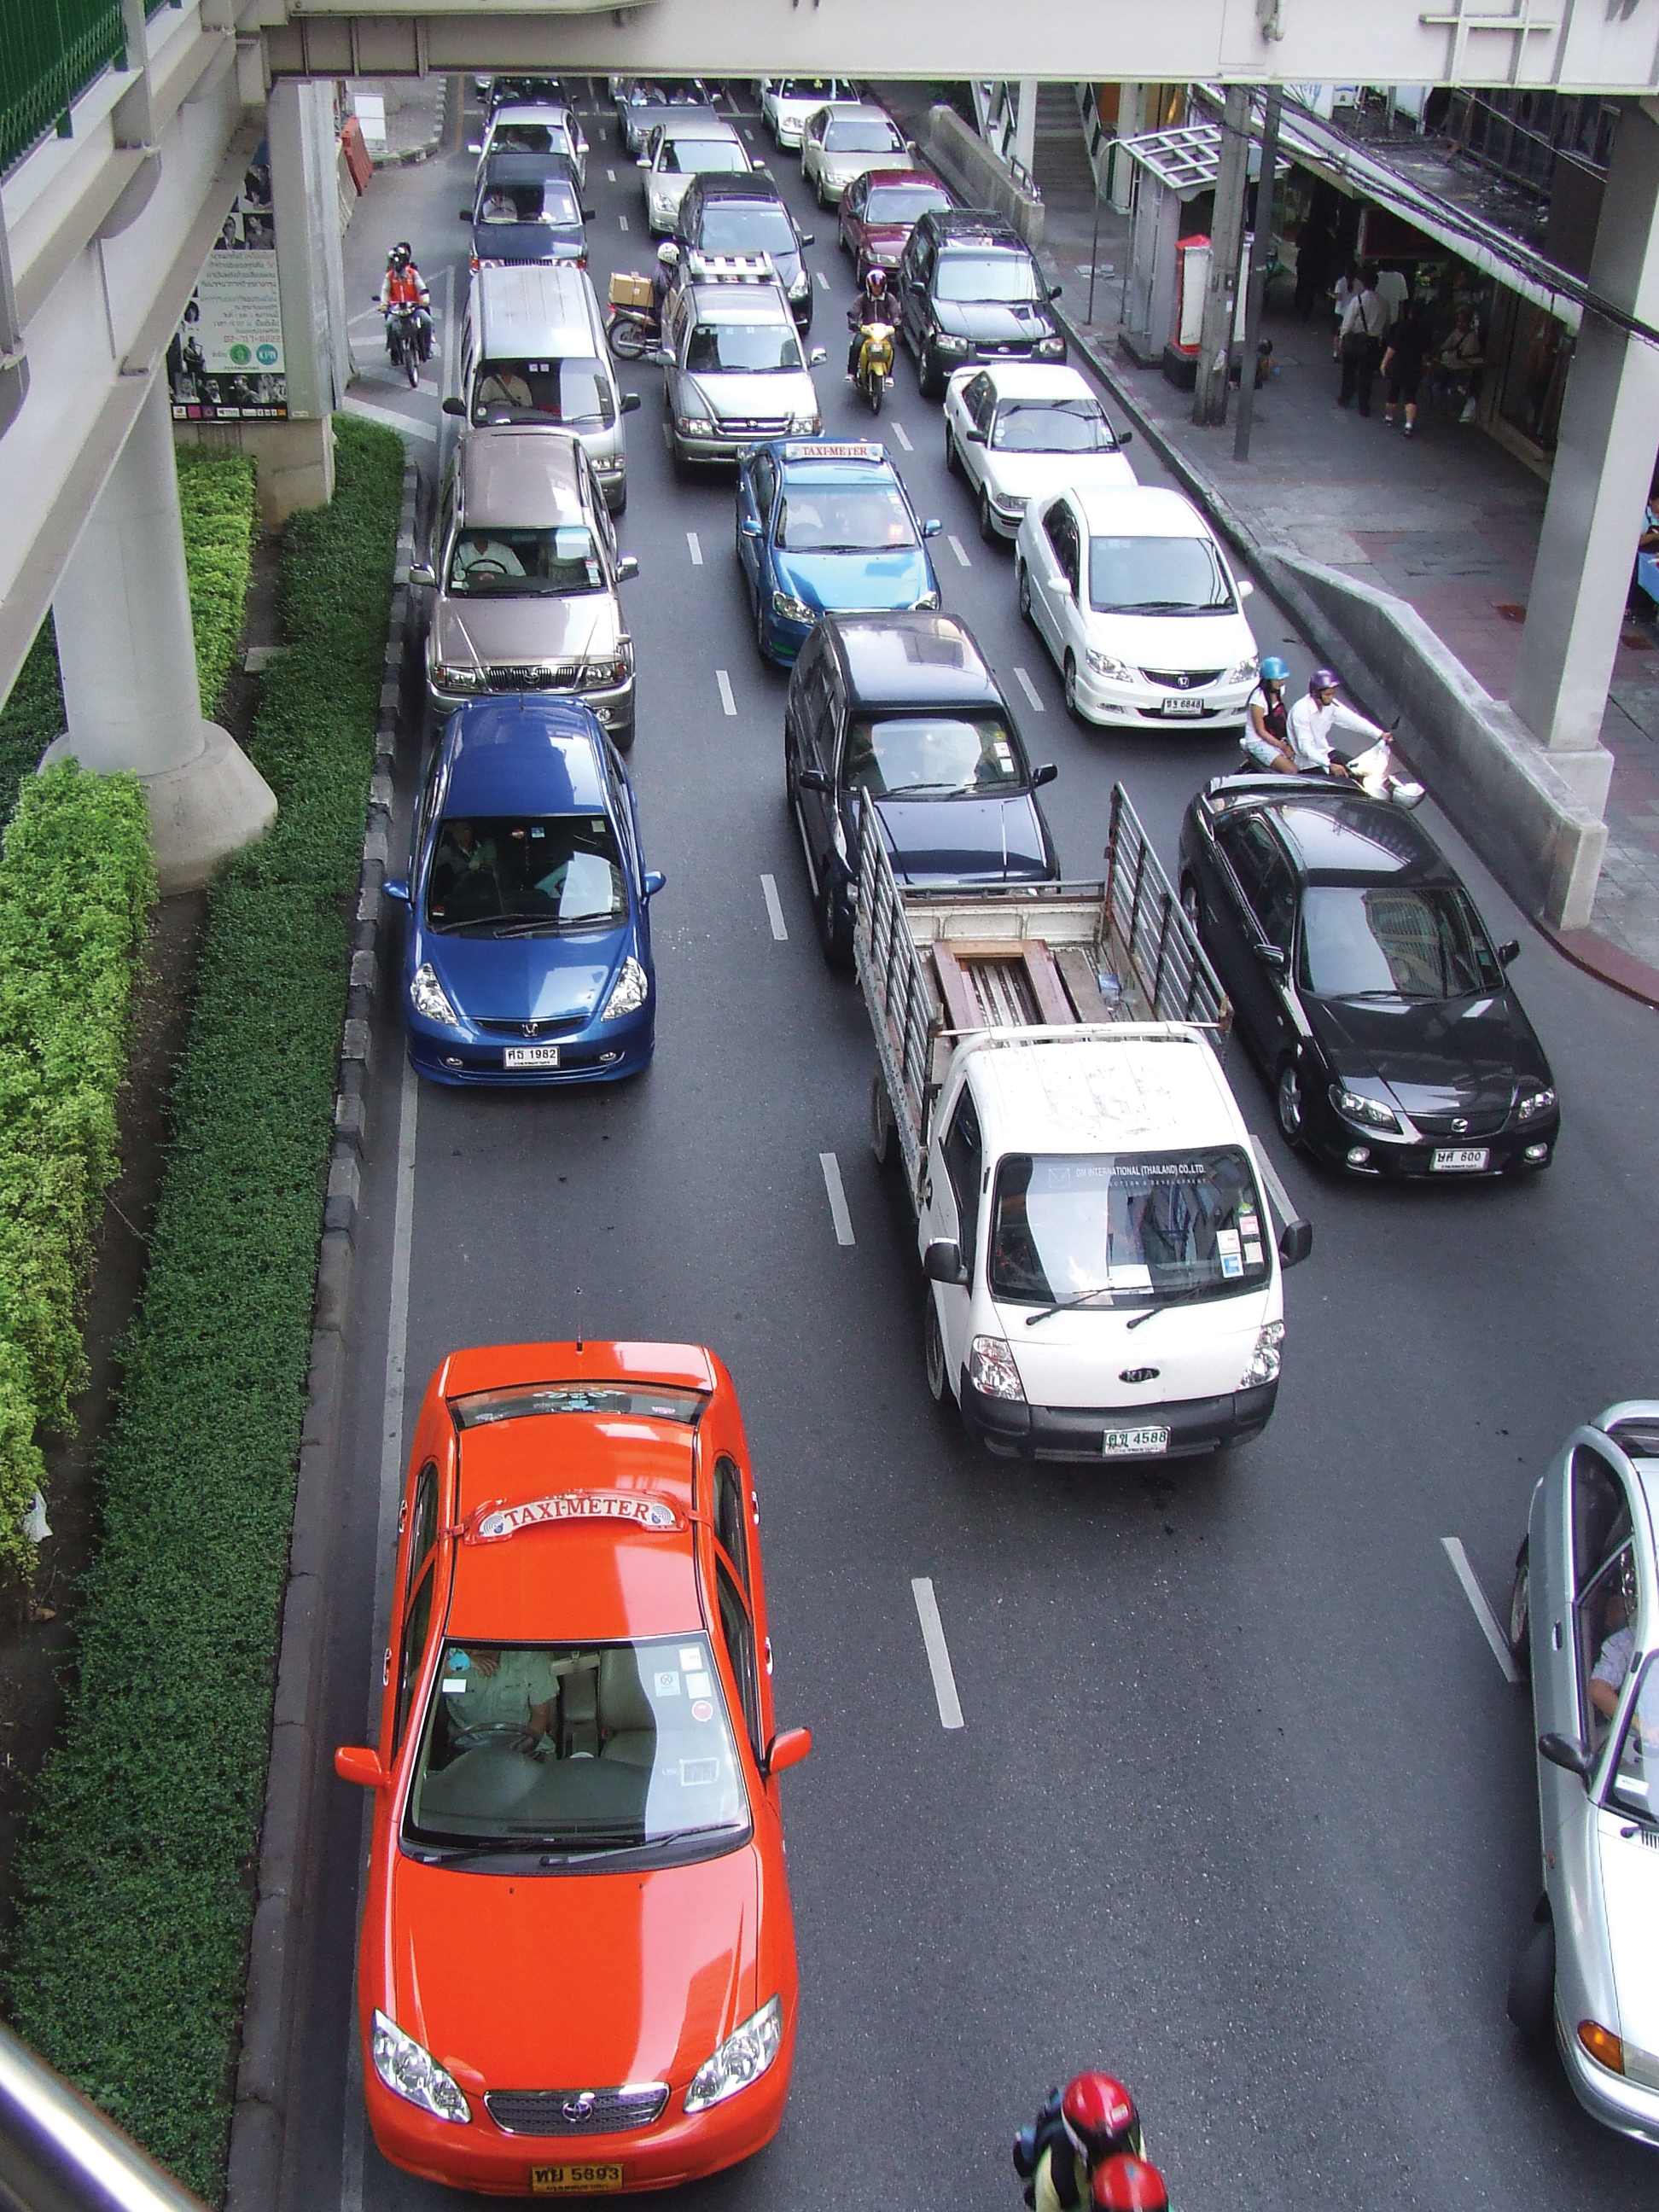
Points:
(1138, 1375)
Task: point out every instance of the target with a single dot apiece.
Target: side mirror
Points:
(1270, 955)
(1055, 291)
(423, 572)
(975, 437)
(1124, 437)
(454, 404)
(1295, 1243)
(630, 403)
(787, 1749)
(396, 888)
(590, 215)
(1561, 1751)
(932, 527)
(1046, 773)
(654, 881)
(809, 238)
(467, 215)
(627, 568)
(1510, 951)
(355, 1762)
(751, 525)
(1246, 588)
(475, 145)
(942, 1263)
(816, 357)
(663, 358)
(811, 779)
(644, 161)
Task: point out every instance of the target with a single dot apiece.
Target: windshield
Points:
(745, 226)
(562, 871)
(551, 201)
(737, 349)
(530, 138)
(1635, 1773)
(1422, 941)
(821, 90)
(1051, 426)
(939, 756)
(859, 134)
(987, 277)
(1157, 575)
(566, 1747)
(573, 390)
(1136, 1227)
(842, 517)
(701, 156)
(494, 563)
(902, 203)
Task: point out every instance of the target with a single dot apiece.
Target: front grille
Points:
(576, 2111)
(1459, 1128)
(535, 1032)
(534, 676)
(753, 426)
(1181, 679)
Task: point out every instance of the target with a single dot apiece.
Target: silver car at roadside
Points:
(1584, 1615)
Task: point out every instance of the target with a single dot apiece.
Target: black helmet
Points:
(400, 256)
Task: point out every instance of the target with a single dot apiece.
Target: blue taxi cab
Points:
(827, 527)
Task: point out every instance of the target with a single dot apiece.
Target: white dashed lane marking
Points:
(610, 176)
(725, 682)
(823, 281)
(955, 544)
(1030, 692)
(623, 220)
(938, 1650)
(904, 437)
(774, 909)
(1481, 1610)
(696, 549)
(832, 1184)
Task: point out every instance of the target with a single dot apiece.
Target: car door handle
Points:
(1555, 1636)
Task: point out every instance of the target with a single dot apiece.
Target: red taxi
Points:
(577, 1973)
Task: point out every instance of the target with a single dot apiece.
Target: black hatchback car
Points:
(1364, 983)
(747, 215)
(904, 707)
(969, 289)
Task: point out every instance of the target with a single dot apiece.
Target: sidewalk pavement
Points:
(1447, 521)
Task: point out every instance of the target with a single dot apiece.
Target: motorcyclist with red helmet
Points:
(1128, 2184)
(1078, 2130)
(872, 306)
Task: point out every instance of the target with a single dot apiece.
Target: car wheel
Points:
(1520, 1622)
(987, 529)
(1530, 2001)
(833, 933)
(930, 381)
(932, 1351)
(1069, 679)
(620, 504)
(1022, 593)
(760, 626)
(881, 1122)
(952, 458)
(1192, 906)
(1287, 1104)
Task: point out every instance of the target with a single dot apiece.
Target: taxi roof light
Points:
(488, 1523)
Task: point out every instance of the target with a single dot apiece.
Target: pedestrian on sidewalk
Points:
(1345, 288)
(1364, 319)
(1461, 361)
(1393, 290)
(1404, 355)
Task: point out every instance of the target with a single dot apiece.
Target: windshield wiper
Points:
(1179, 1299)
(1064, 1305)
(910, 790)
(553, 924)
(608, 1843)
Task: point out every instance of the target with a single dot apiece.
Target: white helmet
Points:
(669, 254)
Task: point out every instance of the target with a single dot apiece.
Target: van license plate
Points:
(1118, 1444)
(1183, 703)
(575, 2180)
(1459, 1159)
(531, 1055)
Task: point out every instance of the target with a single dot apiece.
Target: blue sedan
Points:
(527, 953)
(827, 528)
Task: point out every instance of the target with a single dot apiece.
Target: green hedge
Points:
(76, 885)
(221, 517)
(134, 1883)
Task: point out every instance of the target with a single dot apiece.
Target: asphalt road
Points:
(1244, 1806)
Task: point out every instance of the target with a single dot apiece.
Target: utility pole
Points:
(1261, 247)
(1226, 237)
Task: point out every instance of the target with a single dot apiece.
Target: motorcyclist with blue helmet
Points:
(1266, 739)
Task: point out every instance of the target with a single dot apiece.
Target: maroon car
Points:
(877, 211)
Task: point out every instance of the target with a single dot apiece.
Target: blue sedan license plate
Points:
(531, 1055)
(1122, 1443)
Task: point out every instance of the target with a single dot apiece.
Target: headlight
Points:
(791, 610)
(1245, 672)
(1534, 1103)
(628, 993)
(1109, 664)
(1264, 1360)
(991, 1368)
(693, 426)
(1054, 345)
(1366, 1113)
(408, 2071)
(927, 604)
(1012, 503)
(609, 464)
(946, 341)
(742, 2058)
(450, 678)
(802, 285)
(610, 667)
(429, 998)
(806, 426)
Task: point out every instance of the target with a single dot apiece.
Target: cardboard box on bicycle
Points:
(627, 290)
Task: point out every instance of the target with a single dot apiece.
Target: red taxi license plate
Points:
(575, 2180)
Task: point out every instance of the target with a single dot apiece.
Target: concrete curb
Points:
(259, 2117)
(407, 156)
(1585, 948)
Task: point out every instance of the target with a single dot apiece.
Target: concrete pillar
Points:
(1024, 148)
(1131, 121)
(128, 658)
(1226, 243)
(1603, 467)
(310, 266)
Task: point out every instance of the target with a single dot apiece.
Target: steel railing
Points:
(58, 2153)
(50, 51)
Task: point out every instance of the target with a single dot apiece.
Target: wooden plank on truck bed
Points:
(1045, 982)
(1079, 976)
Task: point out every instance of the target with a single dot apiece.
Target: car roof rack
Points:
(730, 268)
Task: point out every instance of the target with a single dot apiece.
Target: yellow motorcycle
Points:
(875, 371)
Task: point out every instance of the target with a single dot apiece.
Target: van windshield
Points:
(1125, 1229)
(574, 391)
(737, 349)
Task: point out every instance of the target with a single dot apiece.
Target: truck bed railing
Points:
(1145, 922)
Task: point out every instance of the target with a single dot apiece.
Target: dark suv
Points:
(969, 289)
(747, 215)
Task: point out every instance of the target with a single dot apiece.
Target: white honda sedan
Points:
(1128, 588)
(1018, 430)
(840, 143)
(1583, 1610)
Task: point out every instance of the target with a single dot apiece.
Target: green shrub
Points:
(221, 515)
(76, 885)
(129, 1962)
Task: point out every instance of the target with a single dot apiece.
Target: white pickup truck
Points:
(1102, 1275)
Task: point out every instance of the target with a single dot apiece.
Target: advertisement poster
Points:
(226, 361)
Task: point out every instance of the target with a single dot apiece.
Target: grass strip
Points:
(76, 885)
(220, 513)
(135, 1869)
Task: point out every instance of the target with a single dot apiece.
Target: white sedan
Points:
(787, 102)
(693, 144)
(1129, 591)
(1021, 431)
(840, 143)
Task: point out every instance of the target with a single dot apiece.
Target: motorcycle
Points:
(875, 369)
(1373, 771)
(631, 332)
(405, 341)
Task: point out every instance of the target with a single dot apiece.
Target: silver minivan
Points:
(533, 350)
